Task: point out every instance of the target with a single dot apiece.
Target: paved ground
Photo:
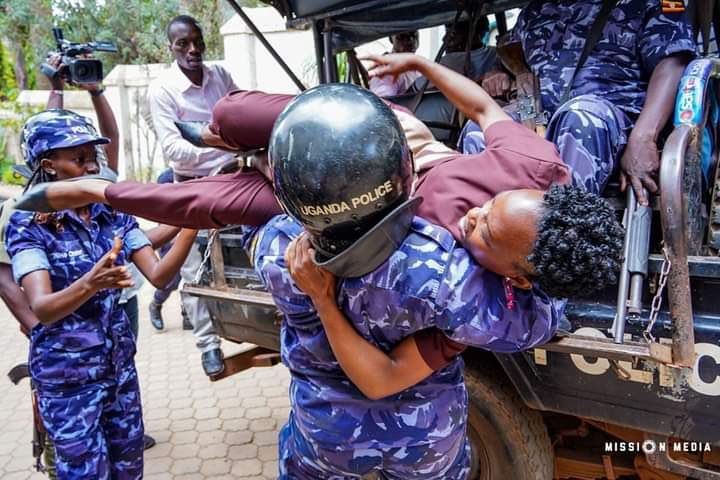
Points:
(204, 430)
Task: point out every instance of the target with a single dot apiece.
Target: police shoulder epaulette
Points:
(437, 233)
(670, 6)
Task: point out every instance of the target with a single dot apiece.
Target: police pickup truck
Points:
(634, 392)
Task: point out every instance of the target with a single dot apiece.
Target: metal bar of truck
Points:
(238, 9)
(674, 225)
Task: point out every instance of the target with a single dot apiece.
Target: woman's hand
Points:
(392, 64)
(105, 274)
(316, 282)
(496, 83)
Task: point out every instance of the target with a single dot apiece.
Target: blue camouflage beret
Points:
(53, 129)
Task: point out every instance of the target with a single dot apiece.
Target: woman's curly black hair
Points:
(579, 246)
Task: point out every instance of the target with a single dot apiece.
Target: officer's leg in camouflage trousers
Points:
(97, 430)
(123, 426)
(591, 134)
(449, 458)
(299, 460)
(72, 419)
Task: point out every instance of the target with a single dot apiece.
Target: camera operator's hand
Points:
(90, 87)
(56, 81)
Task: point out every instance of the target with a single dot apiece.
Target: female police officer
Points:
(70, 265)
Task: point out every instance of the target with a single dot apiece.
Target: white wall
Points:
(253, 67)
(251, 64)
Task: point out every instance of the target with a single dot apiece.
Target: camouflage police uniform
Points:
(592, 128)
(334, 431)
(82, 365)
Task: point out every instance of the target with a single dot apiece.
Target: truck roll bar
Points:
(676, 179)
(673, 216)
(238, 9)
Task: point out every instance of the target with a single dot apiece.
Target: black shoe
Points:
(212, 362)
(186, 321)
(156, 318)
(192, 131)
(148, 442)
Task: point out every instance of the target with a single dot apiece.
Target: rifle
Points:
(529, 101)
(16, 374)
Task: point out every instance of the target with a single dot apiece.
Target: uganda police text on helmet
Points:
(342, 167)
(53, 129)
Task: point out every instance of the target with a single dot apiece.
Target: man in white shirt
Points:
(185, 92)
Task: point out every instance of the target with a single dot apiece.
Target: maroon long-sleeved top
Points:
(515, 158)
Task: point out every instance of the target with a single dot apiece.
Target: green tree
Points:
(211, 14)
(8, 84)
(137, 27)
(25, 25)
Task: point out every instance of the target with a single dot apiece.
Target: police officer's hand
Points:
(316, 282)
(392, 64)
(639, 166)
(496, 83)
(105, 274)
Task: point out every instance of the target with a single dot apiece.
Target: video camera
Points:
(78, 70)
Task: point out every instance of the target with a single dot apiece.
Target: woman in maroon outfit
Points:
(498, 204)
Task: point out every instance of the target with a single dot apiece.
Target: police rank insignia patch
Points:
(669, 6)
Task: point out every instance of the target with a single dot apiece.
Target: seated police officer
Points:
(610, 110)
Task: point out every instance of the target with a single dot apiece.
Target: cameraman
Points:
(106, 119)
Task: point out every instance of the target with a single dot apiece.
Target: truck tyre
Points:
(509, 440)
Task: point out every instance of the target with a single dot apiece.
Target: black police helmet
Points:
(342, 168)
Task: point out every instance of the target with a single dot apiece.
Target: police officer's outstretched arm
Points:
(462, 92)
(377, 374)
(51, 306)
(160, 271)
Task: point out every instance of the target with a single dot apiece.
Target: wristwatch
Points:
(98, 92)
